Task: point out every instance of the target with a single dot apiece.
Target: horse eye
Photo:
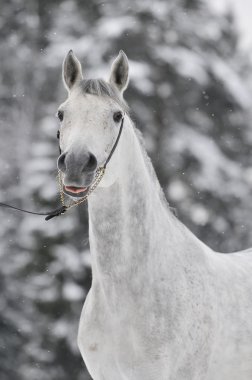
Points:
(60, 115)
(58, 134)
(117, 116)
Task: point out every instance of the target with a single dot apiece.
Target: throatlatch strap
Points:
(115, 144)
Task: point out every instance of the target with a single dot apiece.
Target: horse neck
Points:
(130, 226)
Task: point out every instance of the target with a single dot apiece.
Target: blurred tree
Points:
(190, 97)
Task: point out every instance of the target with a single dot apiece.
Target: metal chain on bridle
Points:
(98, 177)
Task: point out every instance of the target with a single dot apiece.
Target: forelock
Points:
(101, 88)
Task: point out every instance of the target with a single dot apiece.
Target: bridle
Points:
(97, 179)
(100, 171)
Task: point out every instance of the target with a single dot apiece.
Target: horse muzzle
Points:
(78, 172)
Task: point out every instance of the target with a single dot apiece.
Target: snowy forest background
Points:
(190, 95)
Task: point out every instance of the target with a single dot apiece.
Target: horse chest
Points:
(95, 338)
(110, 350)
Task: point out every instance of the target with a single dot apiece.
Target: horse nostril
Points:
(91, 164)
(62, 162)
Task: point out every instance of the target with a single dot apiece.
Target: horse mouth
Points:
(77, 192)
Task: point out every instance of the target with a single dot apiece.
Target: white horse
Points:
(162, 305)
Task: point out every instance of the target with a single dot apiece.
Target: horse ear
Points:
(71, 71)
(119, 75)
